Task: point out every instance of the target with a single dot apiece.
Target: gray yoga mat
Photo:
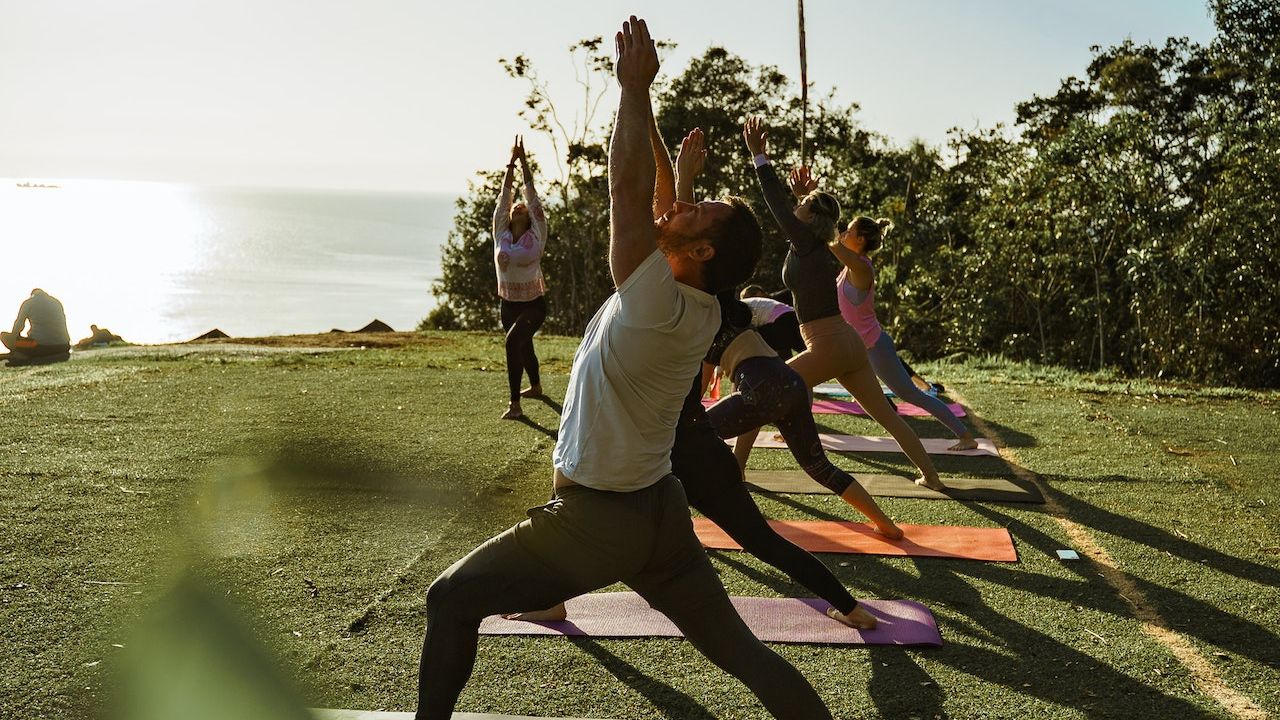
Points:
(958, 488)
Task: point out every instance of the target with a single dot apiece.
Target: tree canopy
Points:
(1127, 221)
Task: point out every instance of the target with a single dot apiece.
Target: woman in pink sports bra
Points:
(519, 235)
(856, 288)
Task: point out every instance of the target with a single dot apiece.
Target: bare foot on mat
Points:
(551, 614)
(857, 618)
(933, 483)
(890, 531)
(966, 442)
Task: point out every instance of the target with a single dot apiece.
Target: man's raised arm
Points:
(632, 237)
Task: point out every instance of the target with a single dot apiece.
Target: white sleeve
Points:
(537, 215)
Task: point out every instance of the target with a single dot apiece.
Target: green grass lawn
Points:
(320, 492)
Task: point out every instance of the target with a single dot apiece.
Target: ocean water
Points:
(157, 262)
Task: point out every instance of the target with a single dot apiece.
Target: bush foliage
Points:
(1128, 221)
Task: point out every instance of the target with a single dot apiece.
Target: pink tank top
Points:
(858, 309)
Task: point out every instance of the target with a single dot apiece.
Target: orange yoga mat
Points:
(829, 536)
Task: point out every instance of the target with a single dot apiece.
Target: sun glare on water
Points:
(114, 253)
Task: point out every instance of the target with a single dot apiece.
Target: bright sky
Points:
(408, 94)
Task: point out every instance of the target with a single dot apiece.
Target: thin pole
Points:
(804, 89)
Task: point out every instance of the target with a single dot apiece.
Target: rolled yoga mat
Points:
(839, 536)
(873, 443)
(324, 714)
(958, 488)
(824, 406)
(784, 620)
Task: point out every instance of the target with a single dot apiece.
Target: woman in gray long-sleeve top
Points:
(833, 349)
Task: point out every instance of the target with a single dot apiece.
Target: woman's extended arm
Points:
(776, 195)
(859, 274)
(502, 211)
(537, 216)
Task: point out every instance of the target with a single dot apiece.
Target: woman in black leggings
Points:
(519, 235)
(767, 390)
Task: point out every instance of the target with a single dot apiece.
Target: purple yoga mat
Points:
(784, 620)
(825, 406)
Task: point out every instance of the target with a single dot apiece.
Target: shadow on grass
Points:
(1035, 663)
(549, 402)
(930, 427)
(526, 420)
(1181, 612)
(671, 701)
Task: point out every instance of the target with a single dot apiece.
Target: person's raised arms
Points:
(664, 187)
(537, 216)
(776, 195)
(757, 138)
(689, 164)
(801, 183)
(632, 173)
(502, 211)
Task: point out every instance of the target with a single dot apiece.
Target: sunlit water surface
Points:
(159, 262)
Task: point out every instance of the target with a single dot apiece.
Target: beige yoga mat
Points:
(323, 714)
(958, 488)
(873, 443)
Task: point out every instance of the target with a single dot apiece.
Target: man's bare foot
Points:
(857, 618)
(933, 483)
(551, 614)
(513, 411)
(533, 391)
(966, 442)
(890, 531)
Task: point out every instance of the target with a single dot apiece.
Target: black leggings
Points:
(520, 320)
(713, 484)
(783, 335)
(767, 390)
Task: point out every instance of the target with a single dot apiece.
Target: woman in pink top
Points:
(519, 234)
(856, 288)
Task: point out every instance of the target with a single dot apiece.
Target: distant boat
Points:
(37, 185)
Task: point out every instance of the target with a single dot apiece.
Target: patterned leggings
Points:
(768, 391)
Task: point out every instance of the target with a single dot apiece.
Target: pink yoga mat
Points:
(824, 406)
(871, 443)
(785, 620)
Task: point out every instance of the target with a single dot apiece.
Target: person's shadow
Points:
(673, 703)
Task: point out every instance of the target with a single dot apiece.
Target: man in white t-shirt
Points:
(619, 513)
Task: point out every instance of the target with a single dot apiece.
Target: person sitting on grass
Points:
(619, 514)
(47, 337)
(99, 337)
